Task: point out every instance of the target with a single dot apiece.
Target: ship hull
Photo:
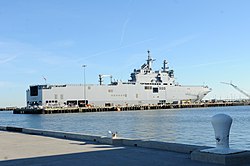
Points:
(115, 95)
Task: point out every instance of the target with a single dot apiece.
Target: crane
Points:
(238, 89)
(101, 76)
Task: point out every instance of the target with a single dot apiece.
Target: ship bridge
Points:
(146, 74)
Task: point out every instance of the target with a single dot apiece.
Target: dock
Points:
(24, 149)
(8, 109)
(23, 146)
(56, 110)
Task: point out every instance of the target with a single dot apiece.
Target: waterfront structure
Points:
(146, 87)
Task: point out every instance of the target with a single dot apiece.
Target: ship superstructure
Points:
(146, 87)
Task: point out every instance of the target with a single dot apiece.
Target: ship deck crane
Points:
(238, 89)
(101, 76)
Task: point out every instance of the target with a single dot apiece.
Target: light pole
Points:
(84, 66)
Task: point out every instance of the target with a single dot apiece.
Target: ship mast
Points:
(149, 61)
(165, 67)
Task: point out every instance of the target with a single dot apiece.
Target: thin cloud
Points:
(210, 63)
(124, 28)
(125, 24)
(176, 43)
(119, 48)
(5, 84)
(63, 43)
(7, 60)
(180, 42)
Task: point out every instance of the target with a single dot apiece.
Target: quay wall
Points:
(194, 151)
(181, 148)
(123, 108)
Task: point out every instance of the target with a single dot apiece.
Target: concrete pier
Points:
(23, 149)
(22, 146)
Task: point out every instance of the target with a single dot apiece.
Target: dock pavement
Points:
(18, 149)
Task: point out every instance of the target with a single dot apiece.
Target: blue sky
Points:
(205, 42)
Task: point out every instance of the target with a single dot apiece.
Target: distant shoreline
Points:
(8, 108)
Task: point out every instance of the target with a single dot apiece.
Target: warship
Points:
(146, 87)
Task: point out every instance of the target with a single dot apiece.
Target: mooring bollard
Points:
(221, 124)
(113, 135)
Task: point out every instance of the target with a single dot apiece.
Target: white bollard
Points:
(221, 124)
(113, 135)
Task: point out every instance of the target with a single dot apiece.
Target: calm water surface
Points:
(189, 126)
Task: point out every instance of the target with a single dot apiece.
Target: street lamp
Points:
(84, 66)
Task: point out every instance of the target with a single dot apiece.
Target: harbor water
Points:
(188, 126)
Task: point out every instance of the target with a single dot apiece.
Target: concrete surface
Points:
(119, 141)
(241, 158)
(24, 149)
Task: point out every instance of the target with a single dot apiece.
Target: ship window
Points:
(165, 84)
(162, 88)
(148, 87)
(155, 90)
(55, 96)
(61, 96)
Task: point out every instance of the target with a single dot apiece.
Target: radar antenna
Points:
(165, 67)
(149, 61)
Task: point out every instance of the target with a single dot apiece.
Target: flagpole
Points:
(84, 80)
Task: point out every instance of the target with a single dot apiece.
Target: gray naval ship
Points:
(146, 87)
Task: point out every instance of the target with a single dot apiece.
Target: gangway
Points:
(238, 89)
